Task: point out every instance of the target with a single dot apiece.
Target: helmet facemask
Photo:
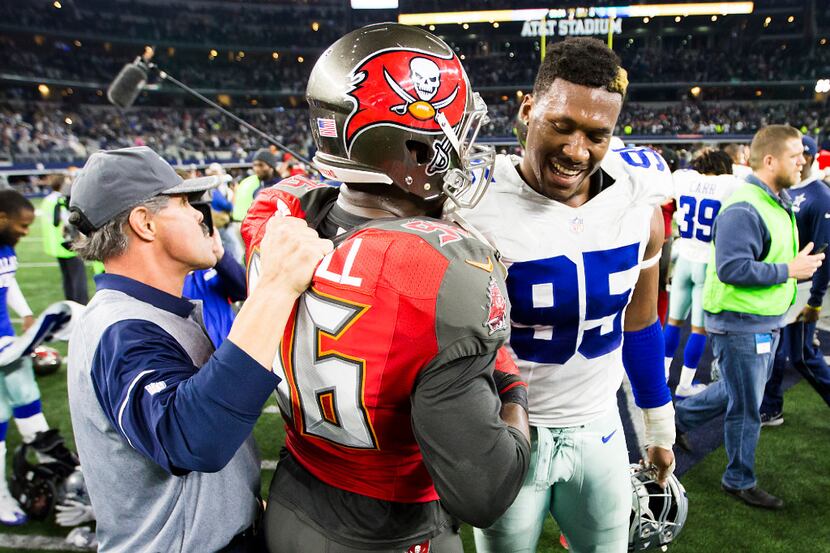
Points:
(658, 514)
(465, 184)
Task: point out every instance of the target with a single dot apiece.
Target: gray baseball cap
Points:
(113, 181)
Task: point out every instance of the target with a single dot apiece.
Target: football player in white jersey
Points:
(579, 226)
(698, 192)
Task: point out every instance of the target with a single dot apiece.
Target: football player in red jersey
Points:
(396, 424)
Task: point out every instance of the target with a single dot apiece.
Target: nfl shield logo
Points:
(577, 225)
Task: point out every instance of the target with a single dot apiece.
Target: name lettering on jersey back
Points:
(447, 234)
(704, 188)
(344, 277)
(302, 182)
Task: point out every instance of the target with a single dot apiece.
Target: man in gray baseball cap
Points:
(116, 180)
(162, 421)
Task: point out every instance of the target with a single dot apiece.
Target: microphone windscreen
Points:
(127, 84)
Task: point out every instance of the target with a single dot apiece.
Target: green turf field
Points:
(793, 461)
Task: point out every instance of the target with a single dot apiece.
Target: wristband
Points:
(659, 426)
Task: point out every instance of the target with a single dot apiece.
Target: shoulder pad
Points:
(472, 310)
(299, 185)
(646, 172)
(446, 237)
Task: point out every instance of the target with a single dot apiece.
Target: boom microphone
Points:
(128, 83)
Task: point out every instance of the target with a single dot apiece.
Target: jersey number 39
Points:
(697, 214)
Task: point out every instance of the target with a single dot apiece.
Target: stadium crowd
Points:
(489, 65)
(43, 132)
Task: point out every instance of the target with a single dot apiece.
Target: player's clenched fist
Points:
(290, 251)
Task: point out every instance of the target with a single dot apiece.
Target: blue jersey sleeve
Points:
(184, 418)
(220, 203)
(820, 225)
(231, 282)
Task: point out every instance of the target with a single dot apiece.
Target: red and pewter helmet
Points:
(391, 104)
(45, 360)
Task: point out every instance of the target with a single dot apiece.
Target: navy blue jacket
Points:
(183, 417)
(811, 204)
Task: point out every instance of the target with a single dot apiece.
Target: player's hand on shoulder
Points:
(290, 252)
(268, 203)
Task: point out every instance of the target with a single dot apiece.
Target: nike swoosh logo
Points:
(483, 266)
(608, 437)
(827, 215)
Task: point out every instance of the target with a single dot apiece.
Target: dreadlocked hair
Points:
(713, 162)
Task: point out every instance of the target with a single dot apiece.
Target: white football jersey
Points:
(741, 171)
(699, 199)
(571, 272)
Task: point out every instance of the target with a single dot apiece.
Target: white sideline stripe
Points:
(24, 542)
(36, 265)
(268, 464)
(127, 399)
(271, 410)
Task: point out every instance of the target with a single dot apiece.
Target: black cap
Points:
(264, 155)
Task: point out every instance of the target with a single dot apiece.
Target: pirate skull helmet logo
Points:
(426, 77)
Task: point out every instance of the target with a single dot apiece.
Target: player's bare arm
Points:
(642, 313)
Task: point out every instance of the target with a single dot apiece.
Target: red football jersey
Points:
(396, 296)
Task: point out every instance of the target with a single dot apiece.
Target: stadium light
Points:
(536, 14)
(823, 86)
(695, 91)
(44, 90)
